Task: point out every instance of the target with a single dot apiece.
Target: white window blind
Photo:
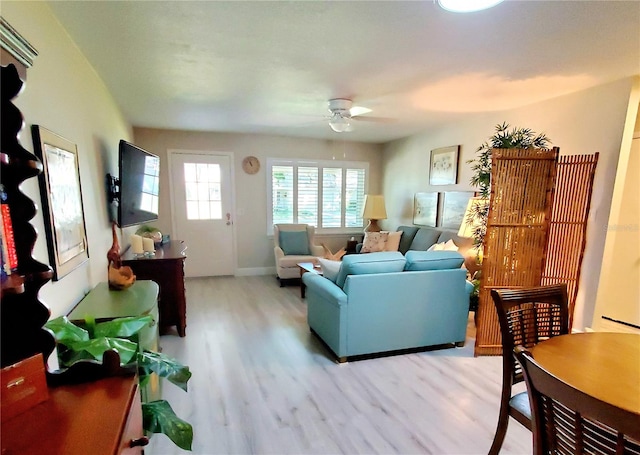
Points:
(328, 195)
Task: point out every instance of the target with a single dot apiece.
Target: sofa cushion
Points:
(393, 241)
(425, 237)
(294, 242)
(449, 245)
(363, 264)
(408, 233)
(330, 268)
(374, 242)
(433, 260)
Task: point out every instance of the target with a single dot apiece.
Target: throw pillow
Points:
(330, 268)
(374, 242)
(393, 241)
(294, 242)
(449, 245)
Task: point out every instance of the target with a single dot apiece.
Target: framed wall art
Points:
(454, 205)
(443, 167)
(425, 209)
(61, 195)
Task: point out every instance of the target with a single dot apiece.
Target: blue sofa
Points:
(420, 238)
(388, 301)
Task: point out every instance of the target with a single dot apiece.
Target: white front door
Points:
(201, 203)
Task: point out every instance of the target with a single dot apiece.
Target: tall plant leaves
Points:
(65, 331)
(158, 417)
(165, 367)
(122, 327)
(94, 349)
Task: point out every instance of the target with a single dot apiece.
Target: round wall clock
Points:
(251, 164)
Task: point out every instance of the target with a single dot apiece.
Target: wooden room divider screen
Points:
(568, 225)
(522, 182)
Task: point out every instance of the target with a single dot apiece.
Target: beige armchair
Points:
(293, 243)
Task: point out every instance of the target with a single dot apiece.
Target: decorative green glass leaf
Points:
(158, 417)
(65, 331)
(122, 327)
(166, 367)
(94, 349)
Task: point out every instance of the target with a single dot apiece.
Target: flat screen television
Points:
(139, 173)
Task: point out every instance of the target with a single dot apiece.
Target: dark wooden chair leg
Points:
(501, 430)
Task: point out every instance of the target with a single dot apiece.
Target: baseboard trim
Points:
(255, 271)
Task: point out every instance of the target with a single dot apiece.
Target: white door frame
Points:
(232, 184)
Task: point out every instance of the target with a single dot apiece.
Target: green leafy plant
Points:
(504, 137)
(76, 344)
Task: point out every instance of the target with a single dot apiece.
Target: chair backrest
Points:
(287, 227)
(528, 316)
(568, 421)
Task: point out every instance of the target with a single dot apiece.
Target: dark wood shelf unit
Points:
(167, 269)
(22, 314)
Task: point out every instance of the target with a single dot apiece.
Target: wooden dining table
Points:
(601, 364)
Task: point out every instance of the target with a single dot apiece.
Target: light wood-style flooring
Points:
(263, 384)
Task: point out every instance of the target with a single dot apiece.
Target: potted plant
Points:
(504, 137)
(90, 343)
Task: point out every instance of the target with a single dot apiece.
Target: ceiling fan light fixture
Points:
(467, 6)
(340, 123)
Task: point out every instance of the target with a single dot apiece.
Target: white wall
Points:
(64, 94)
(254, 248)
(619, 290)
(585, 122)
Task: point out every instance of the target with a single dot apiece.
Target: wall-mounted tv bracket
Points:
(113, 188)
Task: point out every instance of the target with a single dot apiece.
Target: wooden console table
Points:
(167, 269)
(141, 299)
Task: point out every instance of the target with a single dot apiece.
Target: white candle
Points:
(147, 245)
(136, 244)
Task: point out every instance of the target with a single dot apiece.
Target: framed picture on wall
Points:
(61, 201)
(454, 205)
(443, 167)
(425, 209)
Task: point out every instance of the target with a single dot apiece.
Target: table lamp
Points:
(374, 210)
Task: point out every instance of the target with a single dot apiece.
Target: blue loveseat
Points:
(388, 301)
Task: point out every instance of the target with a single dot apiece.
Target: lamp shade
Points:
(470, 222)
(374, 207)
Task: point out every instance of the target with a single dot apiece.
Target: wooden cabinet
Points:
(167, 269)
(100, 418)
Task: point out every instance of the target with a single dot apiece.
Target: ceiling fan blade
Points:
(368, 118)
(359, 110)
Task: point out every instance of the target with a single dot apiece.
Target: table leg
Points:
(303, 287)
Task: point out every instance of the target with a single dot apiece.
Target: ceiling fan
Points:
(343, 112)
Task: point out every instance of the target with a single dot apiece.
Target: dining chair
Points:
(526, 317)
(568, 421)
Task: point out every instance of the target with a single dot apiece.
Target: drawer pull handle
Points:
(15, 383)
(140, 442)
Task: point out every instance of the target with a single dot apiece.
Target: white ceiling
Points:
(270, 67)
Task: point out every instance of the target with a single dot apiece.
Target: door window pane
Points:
(202, 190)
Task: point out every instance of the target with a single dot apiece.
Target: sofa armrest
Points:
(468, 286)
(278, 252)
(324, 288)
(317, 250)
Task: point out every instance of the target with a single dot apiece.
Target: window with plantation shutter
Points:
(332, 197)
(326, 194)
